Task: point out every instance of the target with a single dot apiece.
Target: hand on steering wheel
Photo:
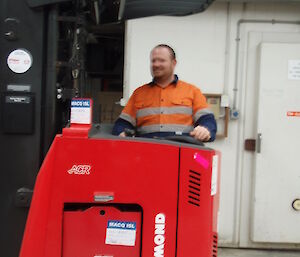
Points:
(200, 133)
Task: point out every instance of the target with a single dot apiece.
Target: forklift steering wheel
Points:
(184, 139)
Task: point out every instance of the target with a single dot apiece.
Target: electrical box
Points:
(219, 105)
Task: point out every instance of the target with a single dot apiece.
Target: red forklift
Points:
(99, 195)
(95, 194)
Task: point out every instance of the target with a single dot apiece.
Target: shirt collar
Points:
(174, 82)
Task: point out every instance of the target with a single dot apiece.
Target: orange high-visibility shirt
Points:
(174, 108)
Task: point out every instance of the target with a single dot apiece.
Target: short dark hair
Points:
(171, 50)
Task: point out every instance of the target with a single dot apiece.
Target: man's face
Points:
(162, 64)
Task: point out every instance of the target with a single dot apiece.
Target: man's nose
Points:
(155, 64)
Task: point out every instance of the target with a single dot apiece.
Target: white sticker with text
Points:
(120, 233)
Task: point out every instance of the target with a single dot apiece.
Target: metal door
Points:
(275, 218)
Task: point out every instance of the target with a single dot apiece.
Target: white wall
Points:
(198, 41)
(205, 45)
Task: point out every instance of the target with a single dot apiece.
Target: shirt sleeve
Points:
(200, 106)
(202, 114)
(208, 121)
(129, 111)
(120, 126)
(127, 118)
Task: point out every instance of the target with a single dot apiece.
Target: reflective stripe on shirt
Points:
(201, 112)
(128, 118)
(164, 110)
(165, 128)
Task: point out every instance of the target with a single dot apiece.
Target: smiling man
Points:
(167, 106)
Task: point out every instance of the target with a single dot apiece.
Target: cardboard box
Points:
(109, 106)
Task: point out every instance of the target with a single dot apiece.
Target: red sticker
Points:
(293, 114)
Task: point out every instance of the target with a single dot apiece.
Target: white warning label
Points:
(120, 233)
(294, 70)
(214, 175)
(81, 112)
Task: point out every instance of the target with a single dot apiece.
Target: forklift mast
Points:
(45, 50)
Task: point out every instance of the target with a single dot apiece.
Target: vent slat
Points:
(194, 177)
(195, 183)
(194, 203)
(195, 173)
(195, 188)
(194, 193)
(215, 245)
(194, 198)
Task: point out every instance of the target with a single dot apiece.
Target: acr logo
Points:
(159, 235)
(80, 170)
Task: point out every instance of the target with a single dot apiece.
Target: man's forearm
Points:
(120, 126)
(208, 121)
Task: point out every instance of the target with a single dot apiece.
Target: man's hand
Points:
(122, 134)
(200, 133)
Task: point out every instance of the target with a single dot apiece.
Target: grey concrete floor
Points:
(229, 252)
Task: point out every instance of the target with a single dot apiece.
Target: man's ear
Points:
(174, 62)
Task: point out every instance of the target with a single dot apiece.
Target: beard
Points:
(158, 73)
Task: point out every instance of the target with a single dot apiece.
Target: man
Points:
(167, 106)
